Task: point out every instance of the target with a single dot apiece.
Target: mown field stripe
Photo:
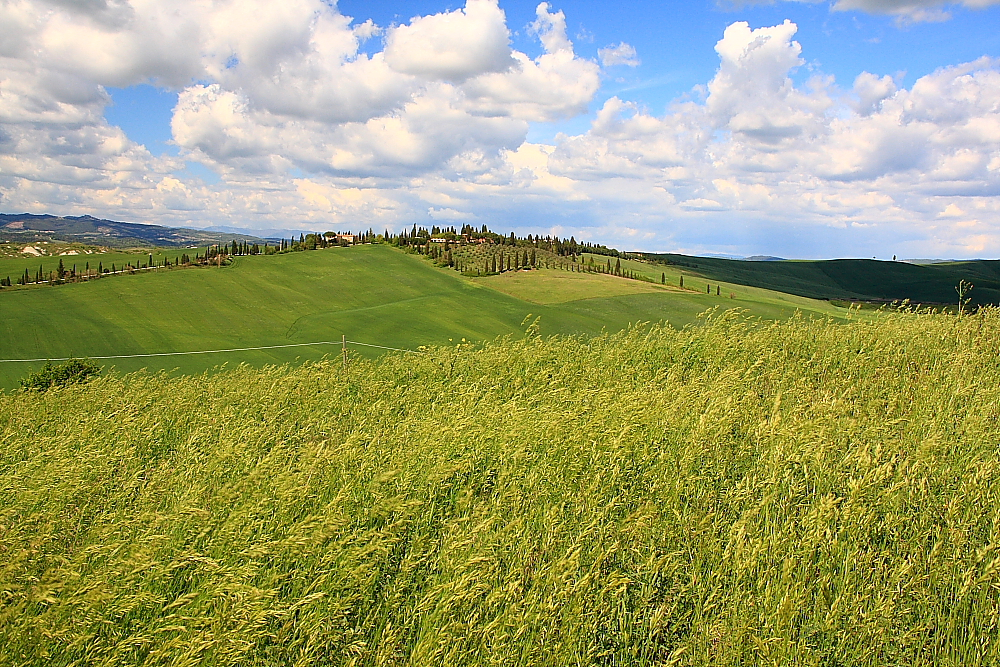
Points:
(234, 349)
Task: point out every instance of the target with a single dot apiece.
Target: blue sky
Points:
(675, 40)
(802, 129)
(675, 43)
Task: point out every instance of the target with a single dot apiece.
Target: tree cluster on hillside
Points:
(481, 252)
(418, 236)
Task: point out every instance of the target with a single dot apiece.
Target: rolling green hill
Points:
(851, 279)
(372, 294)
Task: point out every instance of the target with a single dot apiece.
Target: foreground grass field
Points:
(371, 294)
(800, 493)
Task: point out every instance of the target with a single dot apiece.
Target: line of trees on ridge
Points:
(214, 255)
(505, 253)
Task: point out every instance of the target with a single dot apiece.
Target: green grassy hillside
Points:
(13, 261)
(852, 279)
(793, 494)
(371, 294)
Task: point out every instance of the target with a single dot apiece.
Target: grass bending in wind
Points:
(736, 493)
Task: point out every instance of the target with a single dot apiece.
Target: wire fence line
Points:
(234, 349)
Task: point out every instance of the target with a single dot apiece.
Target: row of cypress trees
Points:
(215, 254)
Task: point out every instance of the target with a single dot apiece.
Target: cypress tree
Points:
(61, 271)
(682, 280)
(663, 278)
(618, 267)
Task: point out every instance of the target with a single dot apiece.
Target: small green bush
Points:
(72, 371)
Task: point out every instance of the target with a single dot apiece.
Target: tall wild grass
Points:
(738, 493)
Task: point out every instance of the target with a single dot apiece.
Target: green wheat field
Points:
(737, 492)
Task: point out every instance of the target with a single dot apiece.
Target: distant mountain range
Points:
(26, 227)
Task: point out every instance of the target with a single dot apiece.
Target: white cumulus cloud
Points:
(907, 11)
(913, 10)
(452, 45)
(882, 159)
(266, 88)
(618, 54)
(306, 128)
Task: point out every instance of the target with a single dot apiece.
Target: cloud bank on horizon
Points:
(905, 10)
(312, 119)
